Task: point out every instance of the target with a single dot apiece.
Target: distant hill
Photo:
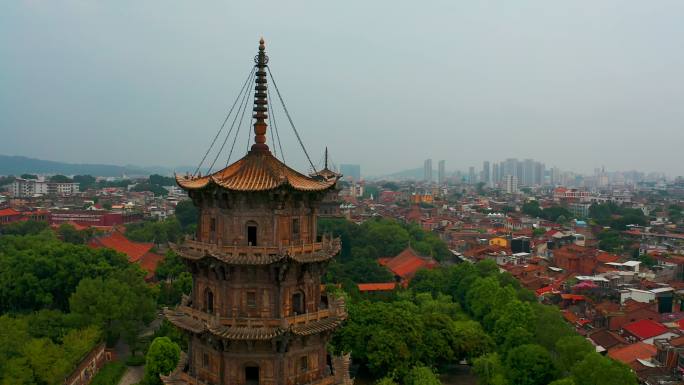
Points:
(17, 165)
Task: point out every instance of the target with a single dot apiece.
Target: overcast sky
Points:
(386, 84)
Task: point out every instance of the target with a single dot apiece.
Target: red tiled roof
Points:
(149, 262)
(118, 242)
(572, 297)
(606, 339)
(407, 263)
(385, 286)
(607, 257)
(544, 290)
(645, 328)
(629, 353)
(9, 212)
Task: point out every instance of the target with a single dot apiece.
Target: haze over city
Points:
(578, 85)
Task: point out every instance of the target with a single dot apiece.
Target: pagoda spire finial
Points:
(326, 157)
(260, 100)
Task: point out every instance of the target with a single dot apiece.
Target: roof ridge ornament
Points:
(260, 100)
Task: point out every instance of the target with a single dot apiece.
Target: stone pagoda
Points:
(258, 313)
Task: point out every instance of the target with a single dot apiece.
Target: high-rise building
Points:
(510, 167)
(539, 170)
(441, 172)
(351, 171)
(511, 184)
(258, 312)
(555, 176)
(471, 175)
(496, 176)
(485, 172)
(527, 178)
(427, 170)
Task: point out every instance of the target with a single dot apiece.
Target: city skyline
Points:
(546, 87)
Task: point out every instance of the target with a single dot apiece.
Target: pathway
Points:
(133, 375)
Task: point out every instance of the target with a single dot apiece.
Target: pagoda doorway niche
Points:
(252, 374)
(251, 233)
(208, 301)
(298, 303)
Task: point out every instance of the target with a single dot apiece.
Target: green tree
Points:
(5, 180)
(160, 180)
(596, 369)
(24, 228)
(532, 209)
(68, 233)
(14, 335)
(490, 370)
(550, 326)
(171, 267)
(170, 293)
(84, 181)
(611, 240)
(156, 189)
(421, 375)
(48, 361)
(60, 179)
(17, 371)
(39, 271)
(186, 213)
(29, 176)
(530, 365)
(386, 381)
(571, 350)
(162, 357)
(564, 381)
(471, 341)
(117, 304)
(159, 232)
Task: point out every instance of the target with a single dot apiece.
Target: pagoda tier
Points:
(340, 364)
(257, 329)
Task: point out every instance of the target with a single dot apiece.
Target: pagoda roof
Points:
(326, 174)
(183, 321)
(246, 333)
(316, 327)
(251, 333)
(257, 171)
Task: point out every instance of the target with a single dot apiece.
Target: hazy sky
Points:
(386, 84)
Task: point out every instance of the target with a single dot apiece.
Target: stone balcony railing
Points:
(327, 243)
(336, 309)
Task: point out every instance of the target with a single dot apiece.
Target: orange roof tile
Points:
(257, 171)
(118, 242)
(385, 286)
(629, 353)
(407, 263)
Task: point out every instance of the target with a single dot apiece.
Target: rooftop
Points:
(646, 328)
